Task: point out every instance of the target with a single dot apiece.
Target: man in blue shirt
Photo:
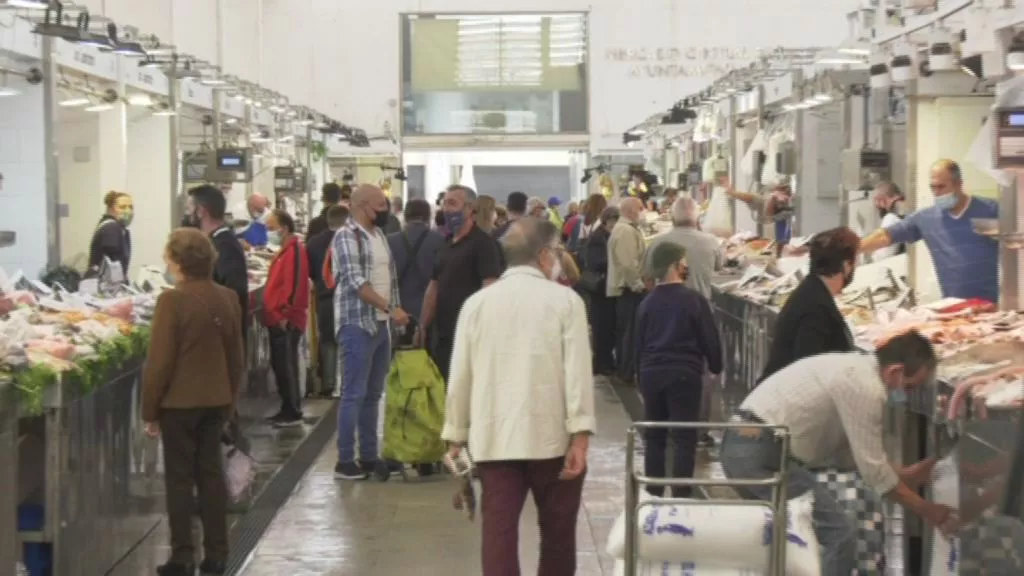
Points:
(966, 263)
(257, 208)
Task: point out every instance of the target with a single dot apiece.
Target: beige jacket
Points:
(625, 259)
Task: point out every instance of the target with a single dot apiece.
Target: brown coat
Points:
(196, 357)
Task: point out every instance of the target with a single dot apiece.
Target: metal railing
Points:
(777, 504)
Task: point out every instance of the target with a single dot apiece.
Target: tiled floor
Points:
(330, 528)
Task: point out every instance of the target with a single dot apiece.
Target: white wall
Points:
(492, 157)
(618, 99)
(23, 189)
(80, 189)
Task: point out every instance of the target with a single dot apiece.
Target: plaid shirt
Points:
(352, 262)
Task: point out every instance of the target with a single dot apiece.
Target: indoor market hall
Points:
(574, 287)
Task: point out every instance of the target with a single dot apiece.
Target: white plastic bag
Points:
(945, 490)
(718, 219)
(239, 472)
(709, 536)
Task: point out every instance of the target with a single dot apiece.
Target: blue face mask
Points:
(898, 396)
(946, 202)
(454, 221)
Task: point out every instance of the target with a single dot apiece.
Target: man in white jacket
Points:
(521, 394)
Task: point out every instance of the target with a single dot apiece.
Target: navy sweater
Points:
(676, 332)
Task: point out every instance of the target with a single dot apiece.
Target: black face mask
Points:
(380, 219)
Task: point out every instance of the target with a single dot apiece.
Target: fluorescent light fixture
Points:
(855, 48)
(167, 112)
(30, 4)
(231, 121)
(213, 82)
(240, 97)
(306, 122)
(822, 98)
(286, 139)
(74, 102)
(140, 100)
(100, 107)
(8, 91)
(638, 131)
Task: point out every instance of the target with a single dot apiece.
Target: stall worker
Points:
(966, 263)
(809, 322)
(637, 188)
(258, 209)
(112, 240)
(832, 406)
(285, 313)
(607, 186)
(888, 198)
(775, 207)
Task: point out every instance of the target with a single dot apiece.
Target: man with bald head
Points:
(625, 281)
(966, 263)
(466, 264)
(521, 393)
(366, 301)
(703, 254)
(257, 210)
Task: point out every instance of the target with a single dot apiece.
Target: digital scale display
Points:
(232, 160)
(1009, 135)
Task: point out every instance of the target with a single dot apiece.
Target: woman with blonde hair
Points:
(191, 378)
(111, 240)
(485, 210)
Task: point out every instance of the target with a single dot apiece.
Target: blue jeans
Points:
(366, 361)
(743, 457)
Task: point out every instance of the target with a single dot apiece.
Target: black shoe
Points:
(212, 568)
(282, 420)
(176, 569)
(349, 471)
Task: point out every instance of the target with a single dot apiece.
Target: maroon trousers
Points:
(505, 485)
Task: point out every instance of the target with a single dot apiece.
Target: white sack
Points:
(653, 568)
(736, 537)
(945, 490)
(718, 219)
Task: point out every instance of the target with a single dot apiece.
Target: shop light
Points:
(240, 97)
(1015, 54)
(8, 91)
(140, 100)
(213, 82)
(286, 139)
(165, 112)
(74, 102)
(855, 49)
(838, 58)
(30, 4)
(879, 71)
(902, 65)
(103, 107)
(942, 56)
(122, 47)
(230, 121)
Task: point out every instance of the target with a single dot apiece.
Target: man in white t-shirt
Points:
(888, 199)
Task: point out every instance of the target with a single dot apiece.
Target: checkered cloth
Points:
(865, 508)
(993, 547)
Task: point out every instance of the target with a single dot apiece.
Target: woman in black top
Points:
(112, 238)
(593, 281)
(810, 323)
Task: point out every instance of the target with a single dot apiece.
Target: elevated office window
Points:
(510, 74)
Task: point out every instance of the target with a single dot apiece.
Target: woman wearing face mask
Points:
(285, 309)
(810, 323)
(112, 239)
(888, 199)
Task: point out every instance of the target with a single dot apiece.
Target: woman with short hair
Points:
(191, 379)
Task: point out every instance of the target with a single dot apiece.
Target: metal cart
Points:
(635, 481)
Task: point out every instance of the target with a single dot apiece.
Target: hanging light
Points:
(74, 102)
(942, 53)
(879, 70)
(140, 100)
(101, 107)
(1015, 53)
(122, 47)
(903, 62)
(30, 4)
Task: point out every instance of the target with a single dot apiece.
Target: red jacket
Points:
(286, 295)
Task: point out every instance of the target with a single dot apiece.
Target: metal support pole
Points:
(632, 498)
(846, 126)
(760, 126)
(798, 140)
(734, 152)
(310, 181)
(52, 165)
(1011, 214)
(245, 143)
(217, 118)
(174, 101)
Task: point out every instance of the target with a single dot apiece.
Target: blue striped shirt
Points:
(352, 262)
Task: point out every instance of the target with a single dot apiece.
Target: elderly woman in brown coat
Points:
(192, 375)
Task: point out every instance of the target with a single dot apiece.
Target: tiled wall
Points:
(23, 189)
